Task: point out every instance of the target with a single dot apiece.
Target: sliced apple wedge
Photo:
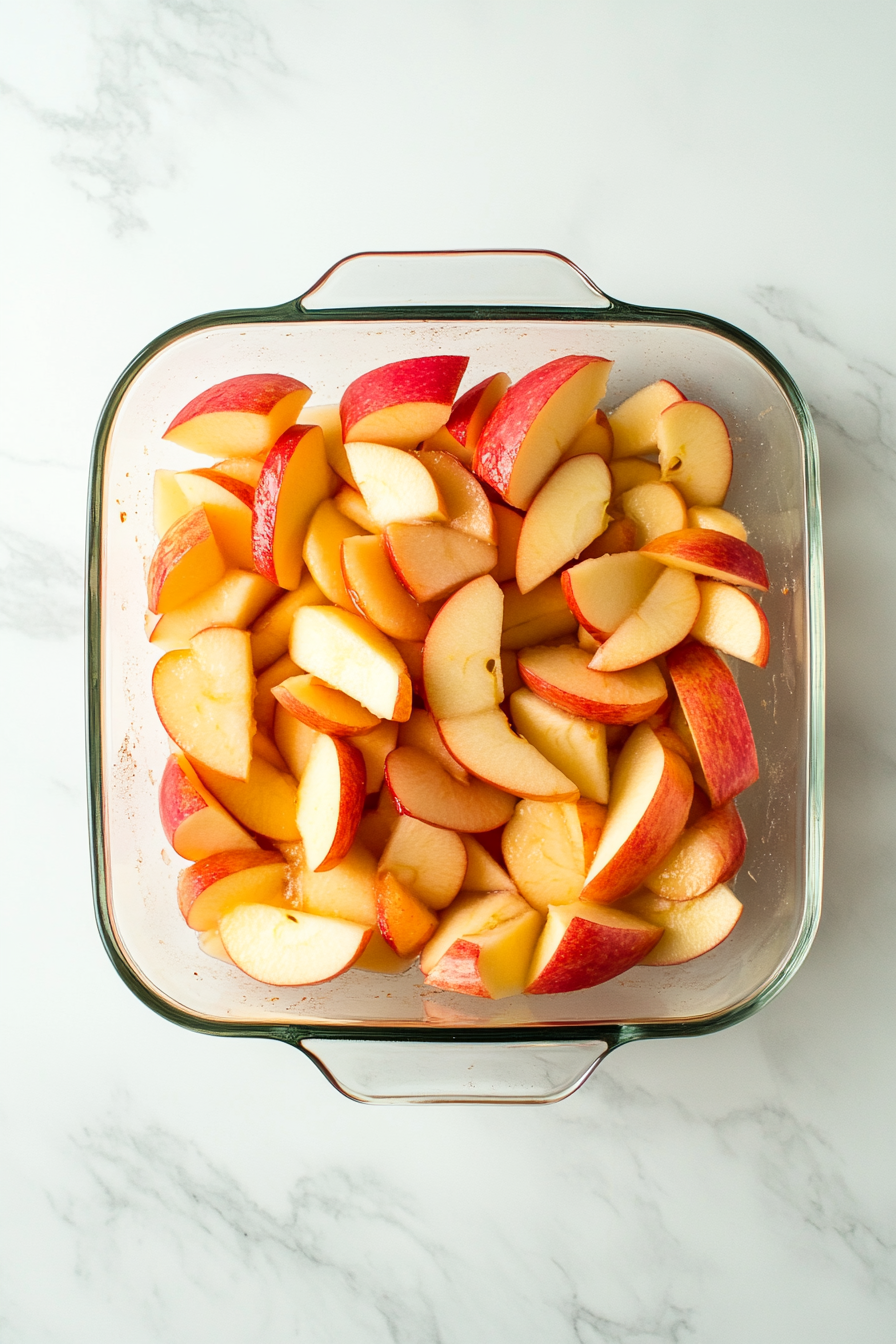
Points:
(596, 436)
(602, 593)
(731, 621)
(508, 525)
(264, 802)
(404, 921)
(717, 719)
(695, 452)
(460, 433)
(264, 745)
(330, 422)
(322, 551)
(168, 501)
(466, 503)
(321, 707)
(411, 651)
(560, 674)
(709, 851)
(186, 561)
(265, 703)
(403, 403)
(618, 538)
(245, 469)
(228, 507)
(207, 890)
(462, 652)
(294, 740)
(236, 600)
(714, 555)
(650, 797)
(239, 417)
(421, 731)
(203, 696)
(530, 618)
(350, 502)
(345, 891)
(294, 479)
(483, 946)
(350, 654)
(483, 872)
(270, 632)
(691, 928)
(330, 801)
(428, 860)
(716, 520)
(660, 622)
(376, 593)
(486, 746)
(655, 510)
(635, 422)
(585, 945)
(535, 422)
(379, 957)
(194, 822)
(576, 746)
(433, 561)
(631, 473)
(290, 947)
(375, 747)
(568, 512)
(544, 850)
(421, 788)
(395, 485)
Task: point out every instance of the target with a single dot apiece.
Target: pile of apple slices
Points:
(443, 676)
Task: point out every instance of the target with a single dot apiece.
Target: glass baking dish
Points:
(392, 1038)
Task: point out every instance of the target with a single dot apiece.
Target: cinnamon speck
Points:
(123, 516)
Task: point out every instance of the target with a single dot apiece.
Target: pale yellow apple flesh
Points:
(483, 873)
(709, 851)
(631, 473)
(596, 436)
(207, 890)
(375, 747)
(508, 525)
(264, 802)
(236, 600)
(695, 452)
(345, 891)
(577, 747)
(731, 621)
(716, 520)
(228, 507)
(322, 707)
(544, 851)
(404, 921)
(422, 789)
(691, 928)
(655, 509)
(168, 501)
(239, 417)
(265, 701)
(483, 946)
(294, 740)
(486, 746)
(204, 695)
(395, 486)
(536, 616)
(602, 593)
(466, 503)
(322, 551)
(270, 632)
(330, 800)
(429, 861)
(290, 947)
(433, 561)
(350, 502)
(194, 822)
(568, 512)
(657, 624)
(346, 651)
(421, 731)
(330, 422)
(635, 421)
(186, 561)
(462, 652)
(376, 593)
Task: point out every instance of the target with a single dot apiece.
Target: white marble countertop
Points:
(164, 158)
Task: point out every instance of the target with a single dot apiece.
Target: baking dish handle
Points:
(501, 278)
(420, 1072)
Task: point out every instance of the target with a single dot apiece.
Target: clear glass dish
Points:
(391, 1038)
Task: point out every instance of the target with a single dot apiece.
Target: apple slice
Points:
(375, 747)
(239, 417)
(630, 473)
(265, 701)
(433, 561)
(691, 928)
(460, 434)
(294, 479)
(695, 452)
(541, 614)
(294, 740)
(596, 436)
(376, 593)
(707, 852)
(351, 503)
(421, 731)
(544, 850)
(209, 889)
(263, 745)
(660, 622)
(462, 652)
(568, 512)
(421, 788)
(715, 714)
(650, 798)
(228, 507)
(508, 525)
(245, 469)
(618, 538)
(716, 520)
(584, 945)
(466, 503)
(655, 510)
(411, 651)
(378, 824)
(576, 746)
(535, 422)
(379, 957)
(322, 551)
(427, 860)
(404, 921)
(395, 485)
(586, 640)
(235, 600)
(330, 801)
(210, 943)
(264, 802)
(483, 872)
(560, 674)
(186, 561)
(483, 946)
(322, 707)
(350, 654)
(203, 696)
(168, 501)
(270, 632)
(290, 947)
(731, 621)
(330, 422)
(602, 593)
(715, 555)
(195, 823)
(636, 421)
(486, 746)
(345, 891)
(403, 403)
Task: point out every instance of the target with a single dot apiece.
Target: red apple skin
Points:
(192, 529)
(458, 970)
(267, 494)
(254, 393)
(717, 554)
(587, 956)
(193, 881)
(461, 419)
(602, 712)
(432, 378)
(178, 800)
(509, 423)
(353, 775)
(243, 492)
(717, 718)
(650, 841)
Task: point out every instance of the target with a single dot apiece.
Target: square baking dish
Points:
(392, 1038)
